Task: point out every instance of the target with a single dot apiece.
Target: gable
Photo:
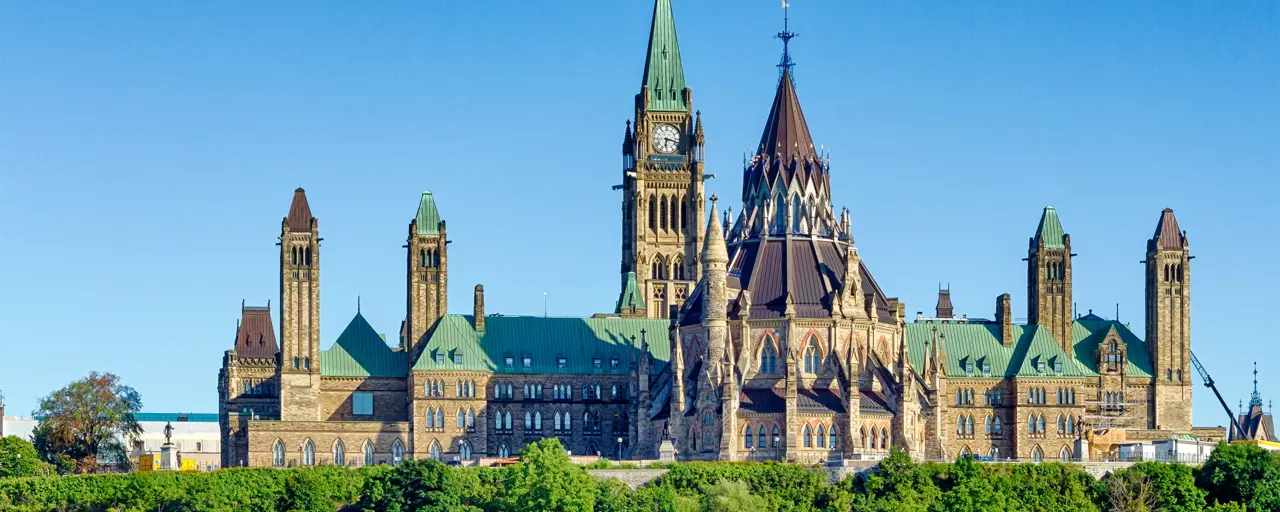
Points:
(361, 352)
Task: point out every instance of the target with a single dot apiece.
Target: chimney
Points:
(479, 308)
(1004, 315)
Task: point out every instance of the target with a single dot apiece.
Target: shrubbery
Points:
(1236, 478)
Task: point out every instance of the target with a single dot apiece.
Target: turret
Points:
(1168, 321)
(1049, 279)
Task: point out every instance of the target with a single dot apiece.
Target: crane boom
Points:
(1208, 383)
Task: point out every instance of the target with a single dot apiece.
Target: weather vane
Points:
(786, 63)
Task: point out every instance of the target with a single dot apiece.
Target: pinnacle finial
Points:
(786, 35)
(1255, 398)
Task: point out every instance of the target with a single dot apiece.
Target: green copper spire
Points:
(427, 222)
(630, 299)
(663, 73)
(1050, 229)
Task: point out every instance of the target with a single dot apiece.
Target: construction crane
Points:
(1208, 383)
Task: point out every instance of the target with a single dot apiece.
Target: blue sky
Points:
(148, 151)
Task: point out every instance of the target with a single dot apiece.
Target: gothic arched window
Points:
(1036, 454)
(812, 357)
(464, 449)
(308, 453)
(397, 452)
(884, 438)
(277, 454)
(832, 438)
(760, 443)
(746, 437)
(769, 358)
(435, 450)
(995, 425)
(807, 436)
(503, 451)
(368, 453)
(777, 439)
(506, 420)
(339, 453)
(422, 257)
(822, 434)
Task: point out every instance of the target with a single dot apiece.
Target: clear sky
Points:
(148, 151)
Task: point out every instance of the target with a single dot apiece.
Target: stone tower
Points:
(427, 272)
(299, 313)
(1168, 322)
(1049, 279)
(662, 177)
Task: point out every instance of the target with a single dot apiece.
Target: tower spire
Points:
(1255, 398)
(663, 71)
(785, 65)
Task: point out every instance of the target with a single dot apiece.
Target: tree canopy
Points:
(83, 424)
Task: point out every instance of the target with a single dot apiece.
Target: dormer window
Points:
(457, 358)
(439, 357)
(1040, 365)
(562, 363)
(613, 363)
(597, 363)
(968, 365)
(1057, 366)
(527, 362)
(986, 367)
(509, 361)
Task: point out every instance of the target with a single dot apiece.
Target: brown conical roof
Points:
(1168, 235)
(785, 132)
(299, 218)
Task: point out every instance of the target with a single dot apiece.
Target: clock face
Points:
(666, 138)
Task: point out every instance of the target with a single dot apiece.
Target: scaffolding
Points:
(1107, 414)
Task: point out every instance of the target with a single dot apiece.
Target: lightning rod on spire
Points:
(786, 35)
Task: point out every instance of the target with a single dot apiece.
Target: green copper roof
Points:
(1088, 334)
(1050, 229)
(980, 343)
(361, 352)
(663, 72)
(630, 297)
(428, 219)
(544, 340)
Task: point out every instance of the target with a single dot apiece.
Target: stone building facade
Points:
(756, 336)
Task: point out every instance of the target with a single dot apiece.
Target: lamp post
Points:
(775, 446)
(619, 448)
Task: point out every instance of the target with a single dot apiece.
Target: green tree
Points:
(304, 492)
(900, 485)
(972, 489)
(417, 485)
(1155, 486)
(19, 458)
(83, 424)
(1247, 474)
(731, 496)
(545, 480)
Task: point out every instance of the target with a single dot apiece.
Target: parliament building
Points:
(760, 335)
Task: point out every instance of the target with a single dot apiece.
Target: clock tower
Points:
(662, 182)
